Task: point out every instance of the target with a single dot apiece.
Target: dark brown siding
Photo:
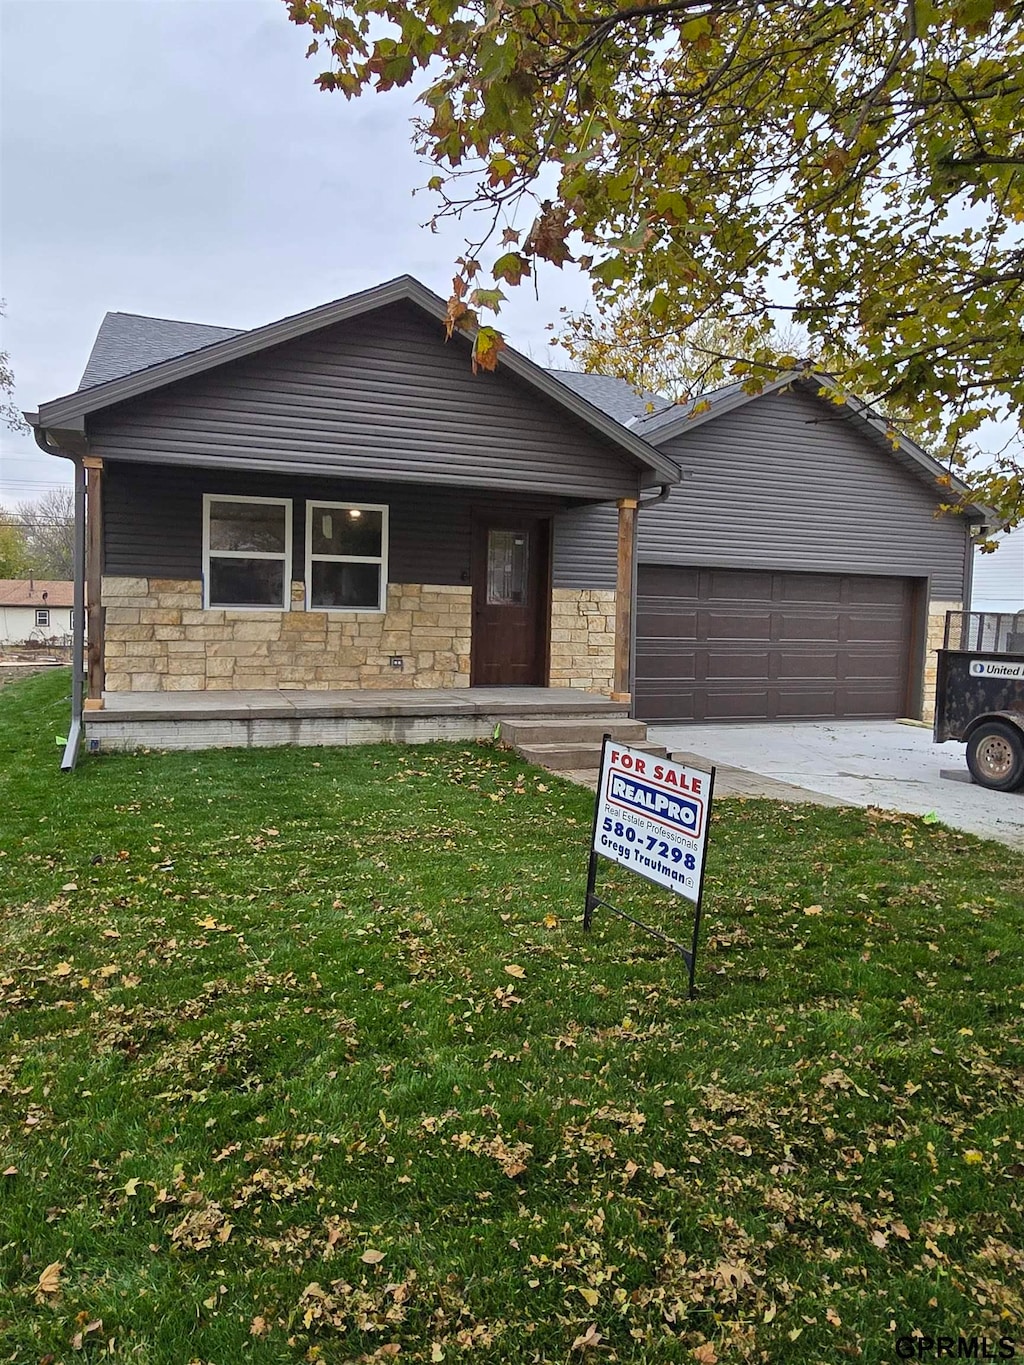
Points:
(382, 397)
(726, 644)
(153, 519)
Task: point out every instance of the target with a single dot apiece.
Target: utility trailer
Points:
(979, 694)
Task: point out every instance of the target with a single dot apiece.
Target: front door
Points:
(510, 602)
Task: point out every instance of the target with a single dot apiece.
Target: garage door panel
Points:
(724, 665)
(674, 703)
(876, 592)
(811, 626)
(737, 625)
(661, 623)
(883, 630)
(675, 584)
(808, 588)
(797, 665)
(733, 704)
(806, 703)
(770, 645)
(734, 585)
(671, 668)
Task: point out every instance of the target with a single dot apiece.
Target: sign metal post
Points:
(651, 816)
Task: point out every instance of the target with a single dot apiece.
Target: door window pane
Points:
(351, 587)
(508, 561)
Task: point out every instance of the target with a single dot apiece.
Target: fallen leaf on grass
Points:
(515, 970)
(371, 1257)
(259, 1327)
(833, 1317)
(87, 1329)
(49, 1280)
(591, 1296)
(70, 886)
(879, 1240)
(812, 910)
(705, 1353)
(588, 1340)
(732, 1276)
(62, 969)
(208, 922)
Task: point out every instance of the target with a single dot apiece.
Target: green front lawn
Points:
(305, 1057)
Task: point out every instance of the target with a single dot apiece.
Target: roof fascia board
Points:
(404, 288)
(689, 421)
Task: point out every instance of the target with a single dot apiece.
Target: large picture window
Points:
(346, 556)
(247, 552)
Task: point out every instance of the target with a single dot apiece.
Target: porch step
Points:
(581, 730)
(579, 756)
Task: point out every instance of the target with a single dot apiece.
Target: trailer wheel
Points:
(995, 756)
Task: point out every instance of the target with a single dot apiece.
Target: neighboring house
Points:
(34, 611)
(335, 501)
(999, 576)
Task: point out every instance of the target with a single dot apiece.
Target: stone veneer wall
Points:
(158, 638)
(936, 635)
(583, 638)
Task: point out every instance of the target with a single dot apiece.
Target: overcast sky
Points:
(173, 158)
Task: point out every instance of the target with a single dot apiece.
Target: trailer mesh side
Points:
(995, 632)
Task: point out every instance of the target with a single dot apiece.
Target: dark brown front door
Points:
(510, 600)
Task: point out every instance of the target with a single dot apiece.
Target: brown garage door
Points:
(736, 644)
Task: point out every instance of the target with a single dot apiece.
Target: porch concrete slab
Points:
(860, 763)
(254, 719)
(288, 705)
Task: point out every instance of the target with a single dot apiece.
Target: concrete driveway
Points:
(874, 763)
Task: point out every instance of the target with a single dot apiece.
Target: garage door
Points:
(735, 644)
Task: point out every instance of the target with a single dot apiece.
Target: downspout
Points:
(662, 496)
(75, 730)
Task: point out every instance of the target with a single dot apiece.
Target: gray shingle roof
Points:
(656, 421)
(128, 342)
(616, 397)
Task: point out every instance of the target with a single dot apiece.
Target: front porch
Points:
(247, 719)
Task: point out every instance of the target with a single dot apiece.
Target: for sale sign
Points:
(652, 817)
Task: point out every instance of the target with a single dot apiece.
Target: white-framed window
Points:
(346, 556)
(42, 616)
(247, 551)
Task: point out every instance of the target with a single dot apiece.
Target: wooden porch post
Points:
(94, 581)
(621, 685)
